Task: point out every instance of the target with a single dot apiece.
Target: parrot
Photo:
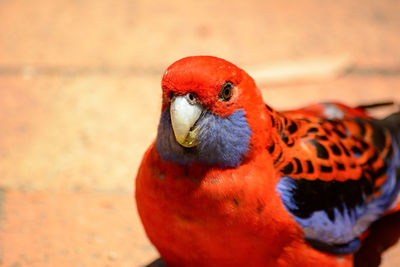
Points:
(230, 181)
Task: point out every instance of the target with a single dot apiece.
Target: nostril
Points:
(191, 98)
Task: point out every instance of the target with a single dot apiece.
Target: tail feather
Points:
(376, 105)
(392, 123)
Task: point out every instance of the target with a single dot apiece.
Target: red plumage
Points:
(198, 214)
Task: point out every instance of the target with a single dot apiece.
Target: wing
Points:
(338, 176)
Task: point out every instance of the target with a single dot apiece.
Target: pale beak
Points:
(185, 111)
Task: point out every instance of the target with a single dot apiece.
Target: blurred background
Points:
(80, 101)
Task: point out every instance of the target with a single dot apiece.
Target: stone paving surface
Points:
(80, 101)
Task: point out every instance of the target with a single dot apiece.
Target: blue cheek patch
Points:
(223, 142)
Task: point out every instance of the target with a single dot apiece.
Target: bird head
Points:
(212, 113)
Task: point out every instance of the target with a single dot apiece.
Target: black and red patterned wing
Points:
(338, 176)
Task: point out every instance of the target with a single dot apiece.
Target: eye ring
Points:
(226, 91)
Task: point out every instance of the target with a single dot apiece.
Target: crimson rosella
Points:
(229, 181)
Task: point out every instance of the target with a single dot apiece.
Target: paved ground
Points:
(80, 100)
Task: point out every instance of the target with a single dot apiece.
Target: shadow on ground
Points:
(384, 234)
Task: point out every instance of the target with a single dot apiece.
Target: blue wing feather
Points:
(334, 214)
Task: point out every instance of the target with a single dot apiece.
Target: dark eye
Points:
(226, 91)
